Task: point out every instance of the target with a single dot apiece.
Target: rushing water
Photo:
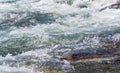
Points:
(34, 32)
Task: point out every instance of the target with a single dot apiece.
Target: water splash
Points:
(34, 32)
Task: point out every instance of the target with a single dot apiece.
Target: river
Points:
(34, 33)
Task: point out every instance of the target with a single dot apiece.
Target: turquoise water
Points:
(34, 32)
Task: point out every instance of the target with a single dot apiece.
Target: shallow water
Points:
(34, 33)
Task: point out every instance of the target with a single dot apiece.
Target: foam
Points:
(71, 22)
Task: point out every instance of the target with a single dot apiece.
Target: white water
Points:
(66, 24)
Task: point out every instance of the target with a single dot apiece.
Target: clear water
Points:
(34, 32)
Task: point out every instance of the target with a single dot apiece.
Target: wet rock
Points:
(105, 59)
(117, 44)
(76, 58)
(97, 64)
(112, 6)
(115, 6)
(48, 71)
(106, 50)
(51, 71)
(83, 6)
